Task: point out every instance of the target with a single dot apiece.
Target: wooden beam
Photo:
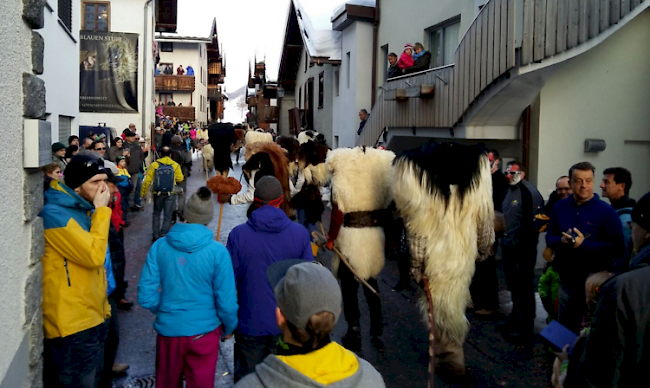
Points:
(427, 90)
(594, 18)
(562, 25)
(540, 30)
(551, 27)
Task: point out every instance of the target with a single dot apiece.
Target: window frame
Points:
(95, 3)
(162, 44)
(160, 97)
(348, 58)
(439, 60)
(321, 89)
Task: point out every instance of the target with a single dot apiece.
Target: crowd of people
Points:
(414, 58)
(281, 305)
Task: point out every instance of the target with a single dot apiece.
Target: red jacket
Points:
(405, 61)
(116, 214)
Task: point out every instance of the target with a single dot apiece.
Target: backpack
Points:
(625, 215)
(164, 181)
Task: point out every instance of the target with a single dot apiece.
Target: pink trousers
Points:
(195, 357)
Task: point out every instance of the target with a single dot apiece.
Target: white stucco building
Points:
(61, 70)
(311, 53)
(137, 17)
(352, 84)
(186, 90)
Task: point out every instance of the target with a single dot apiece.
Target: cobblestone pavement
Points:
(494, 362)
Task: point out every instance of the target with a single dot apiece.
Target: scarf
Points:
(417, 56)
(285, 349)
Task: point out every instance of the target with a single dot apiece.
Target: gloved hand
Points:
(329, 245)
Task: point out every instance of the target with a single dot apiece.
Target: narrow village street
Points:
(494, 362)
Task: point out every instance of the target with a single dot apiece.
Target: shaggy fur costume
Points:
(270, 159)
(311, 162)
(208, 157)
(291, 146)
(221, 137)
(444, 193)
(305, 136)
(361, 179)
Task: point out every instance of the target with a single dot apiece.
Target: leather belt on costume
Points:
(363, 219)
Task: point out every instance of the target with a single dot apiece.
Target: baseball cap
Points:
(112, 171)
(303, 289)
(641, 212)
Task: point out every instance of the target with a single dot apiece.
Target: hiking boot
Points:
(352, 339)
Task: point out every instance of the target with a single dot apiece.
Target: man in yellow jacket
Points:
(163, 175)
(76, 218)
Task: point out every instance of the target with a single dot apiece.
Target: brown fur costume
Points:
(444, 193)
(361, 179)
(270, 159)
(291, 146)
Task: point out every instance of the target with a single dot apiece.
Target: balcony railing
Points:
(214, 68)
(182, 113)
(175, 83)
(271, 114)
(214, 92)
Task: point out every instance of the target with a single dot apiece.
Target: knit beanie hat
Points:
(408, 46)
(640, 213)
(176, 139)
(57, 147)
(268, 191)
(82, 167)
(200, 208)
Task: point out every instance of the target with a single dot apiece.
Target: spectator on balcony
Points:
(168, 70)
(421, 59)
(406, 59)
(393, 70)
(180, 104)
(363, 116)
(180, 70)
(190, 70)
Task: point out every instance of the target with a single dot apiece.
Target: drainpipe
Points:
(375, 33)
(145, 74)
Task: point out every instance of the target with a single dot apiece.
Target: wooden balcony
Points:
(214, 92)
(508, 40)
(182, 113)
(166, 15)
(214, 68)
(271, 114)
(175, 83)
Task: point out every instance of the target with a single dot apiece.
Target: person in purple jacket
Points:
(587, 237)
(267, 237)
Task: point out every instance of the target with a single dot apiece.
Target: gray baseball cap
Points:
(302, 289)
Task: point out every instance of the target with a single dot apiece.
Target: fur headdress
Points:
(270, 159)
(305, 136)
(291, 146)
(448, 214)
(361, 179)
(311, 161)
(221, 136)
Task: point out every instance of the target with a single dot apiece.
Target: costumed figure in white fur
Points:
(308, 202)
(207, 152)
(361, 179)
(444, 193)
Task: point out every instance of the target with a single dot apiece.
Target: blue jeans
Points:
(136, 183)
(75, 361)
(250, 351)
(163, 203)
(301, 217)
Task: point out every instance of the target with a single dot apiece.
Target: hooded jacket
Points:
(195, 275)
(267, 237)
(76, 247)
(332, 366)
(151, 173)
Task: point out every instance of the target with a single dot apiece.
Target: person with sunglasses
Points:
(76, 219)
(519, 251)
(99, 147)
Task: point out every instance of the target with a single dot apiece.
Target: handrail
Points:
(419, 73)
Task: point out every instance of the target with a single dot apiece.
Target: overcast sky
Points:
(245, 28)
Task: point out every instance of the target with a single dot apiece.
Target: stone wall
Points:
(21, 272)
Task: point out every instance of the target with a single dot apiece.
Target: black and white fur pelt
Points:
(444, 193)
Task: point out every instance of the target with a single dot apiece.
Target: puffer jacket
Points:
(76, 248)
(137, 156)
(151, 173)
(195, 276)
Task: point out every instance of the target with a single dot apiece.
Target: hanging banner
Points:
(108, 72)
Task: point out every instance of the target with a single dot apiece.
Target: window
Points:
(166, 47)
(65, 13)
(96, 16)
(336, 142)
(299, 98)
(349, 67)
(306, 59)
(166, 97)
(321, 87)
(443, 40)
(336, 83)
(65, 128)
(384, 54)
